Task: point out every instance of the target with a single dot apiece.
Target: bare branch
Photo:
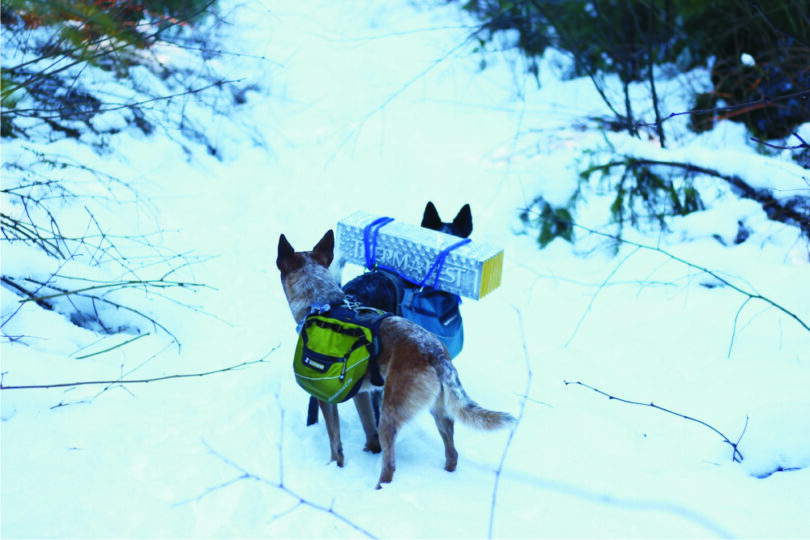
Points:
(44, 114)
(261, 360)
(731, 108)
(734, 328)
(715, 275)
(736, 456)
(244, 474)
(802, 144)
(595, 294)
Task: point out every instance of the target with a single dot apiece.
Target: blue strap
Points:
(438, 264)
(370, 248)
(370, 240)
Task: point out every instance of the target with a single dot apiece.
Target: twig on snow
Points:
(108, 349)
(499, 470)
(244, 474)
(715, 275)
(235, 367)
(593, 298)
(737, 457)
(734, 328)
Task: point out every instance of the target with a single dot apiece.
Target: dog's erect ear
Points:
(462, 224)
(431, 219)
(286, 260)
(324, 250)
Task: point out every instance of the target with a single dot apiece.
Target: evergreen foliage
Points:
(759, 60)
(760, 51)
(55, 40)
(87, 70)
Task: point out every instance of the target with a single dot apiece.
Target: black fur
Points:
(461, 225)
(374, 289)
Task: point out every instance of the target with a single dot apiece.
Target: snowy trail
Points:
(229, 455)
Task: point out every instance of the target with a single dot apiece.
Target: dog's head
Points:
(305, 275)
(461, 226)
(289, 260)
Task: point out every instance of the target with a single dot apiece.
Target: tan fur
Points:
(415, 363)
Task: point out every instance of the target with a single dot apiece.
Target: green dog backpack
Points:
(335, 351)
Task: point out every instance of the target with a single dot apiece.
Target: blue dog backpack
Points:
(438, 312)
(434, 310)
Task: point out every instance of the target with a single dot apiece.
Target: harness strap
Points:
(440, 262)
(370, 246)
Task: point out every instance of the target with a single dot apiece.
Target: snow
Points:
(378, 107)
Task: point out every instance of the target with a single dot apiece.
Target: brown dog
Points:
(415, 363)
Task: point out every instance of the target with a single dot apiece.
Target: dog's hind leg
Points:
(365, 409)
(445, 424)
(389, 426)
(403, 397)
(330, 415)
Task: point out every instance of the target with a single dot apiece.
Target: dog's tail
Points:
(464, 408)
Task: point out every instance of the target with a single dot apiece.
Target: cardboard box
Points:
(472, 270)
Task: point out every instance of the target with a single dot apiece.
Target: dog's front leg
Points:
(330, 415)
(365, 409)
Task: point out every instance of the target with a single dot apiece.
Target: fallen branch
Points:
(731, 108)
(802, 144)
(68, 293)
(114, 347)
(715, 275)
(113, 285)
(737, 457)
(261, 360)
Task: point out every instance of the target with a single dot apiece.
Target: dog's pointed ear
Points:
(462, 224)
(286, 255)
(324, 250)
(431, 219)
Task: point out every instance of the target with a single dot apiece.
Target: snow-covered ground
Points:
(380, 107)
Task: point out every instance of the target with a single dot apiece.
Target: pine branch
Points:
(773, 208)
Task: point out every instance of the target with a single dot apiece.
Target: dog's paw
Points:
(386, 476)
(373, 447)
